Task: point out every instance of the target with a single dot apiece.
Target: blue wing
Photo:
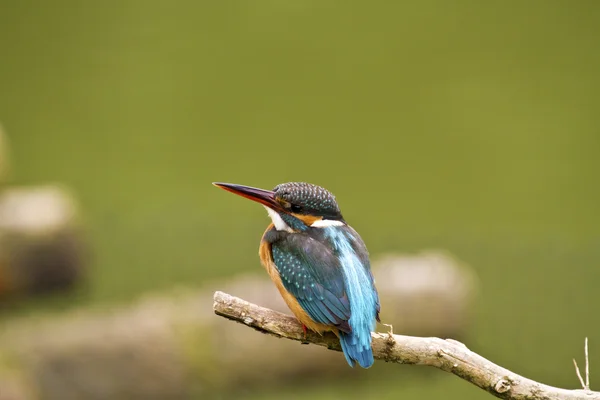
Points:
(327, 270)
(311, 272)
(360, 249)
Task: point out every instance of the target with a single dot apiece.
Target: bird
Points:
(319, 264)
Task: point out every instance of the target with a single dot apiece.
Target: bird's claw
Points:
(304, 330)
(391, 331)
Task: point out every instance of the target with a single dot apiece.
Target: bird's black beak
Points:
(264, 197)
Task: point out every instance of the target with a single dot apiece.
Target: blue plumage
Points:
(364, 301)
(313, 277)
(328, 272)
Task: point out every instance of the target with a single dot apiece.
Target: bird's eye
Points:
(295, 208)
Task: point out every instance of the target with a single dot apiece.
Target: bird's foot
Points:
(391, 331)
(304, 329)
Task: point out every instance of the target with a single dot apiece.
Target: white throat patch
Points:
(279, 223)
(324, 223)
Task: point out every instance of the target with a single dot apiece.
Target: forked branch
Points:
(448, 355)
(585, 385)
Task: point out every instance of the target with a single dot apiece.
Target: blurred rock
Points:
(12, 388)
(433, 293)
(175, 347)
(41, 243)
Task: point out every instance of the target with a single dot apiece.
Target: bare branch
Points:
(587, 366)
(447, 355)
(579, 374)
(585, 385)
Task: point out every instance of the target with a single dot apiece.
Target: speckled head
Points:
(307, 199)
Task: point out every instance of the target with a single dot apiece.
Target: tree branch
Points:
(447, 355)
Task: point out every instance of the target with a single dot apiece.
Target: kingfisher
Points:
(319, 264)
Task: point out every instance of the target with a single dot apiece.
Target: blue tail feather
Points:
(362, 296)
(356, 350)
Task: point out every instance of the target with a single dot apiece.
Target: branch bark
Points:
(447, 355)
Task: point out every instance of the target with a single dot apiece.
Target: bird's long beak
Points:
(264, 197)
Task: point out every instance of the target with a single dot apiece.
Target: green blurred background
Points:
(470, 126)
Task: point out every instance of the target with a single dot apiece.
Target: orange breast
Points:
(266, 258)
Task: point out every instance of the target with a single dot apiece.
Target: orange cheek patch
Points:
(307, 219)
